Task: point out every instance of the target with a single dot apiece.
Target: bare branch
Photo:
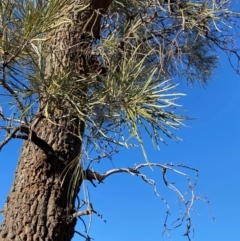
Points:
(11, 91)
(87, 238)
(9, 137)
(30, 135)
(186, 198)
(88, 211)
(82, 213)
(90, 175)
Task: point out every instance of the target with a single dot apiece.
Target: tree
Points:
(85, 75)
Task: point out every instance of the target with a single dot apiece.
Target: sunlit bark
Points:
(37, 206)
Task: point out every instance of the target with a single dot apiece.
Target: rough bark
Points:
(36, 208)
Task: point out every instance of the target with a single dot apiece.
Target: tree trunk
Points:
(37, 206)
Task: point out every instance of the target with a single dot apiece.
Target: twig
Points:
(84, 236)
(9, 137)
(30, 135)
(182, 197)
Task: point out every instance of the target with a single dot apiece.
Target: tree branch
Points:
(90, 175)
(88, 211)
(186, 198)
(87, 238)
(82, 213)
(11, 91)
(9, 137)
(30, 135)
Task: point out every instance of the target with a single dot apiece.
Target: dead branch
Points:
(183, 197)
(90, 175)
(24, 132)
(82, 213)
(5, 85)
(87, 238)
(88, 211)
(9, 137)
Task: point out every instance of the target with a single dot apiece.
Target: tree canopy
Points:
(124, 61)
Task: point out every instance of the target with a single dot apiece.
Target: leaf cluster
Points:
(128, 83)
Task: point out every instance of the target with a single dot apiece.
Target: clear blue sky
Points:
(211, 144)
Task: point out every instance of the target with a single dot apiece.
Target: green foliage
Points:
(118, 81)
(142, 47)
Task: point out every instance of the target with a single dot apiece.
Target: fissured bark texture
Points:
(36, 208)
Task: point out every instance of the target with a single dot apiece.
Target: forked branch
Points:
(186, 199)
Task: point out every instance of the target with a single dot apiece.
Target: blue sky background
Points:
(211, 144)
